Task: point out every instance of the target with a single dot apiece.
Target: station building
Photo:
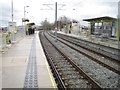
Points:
(104, 27)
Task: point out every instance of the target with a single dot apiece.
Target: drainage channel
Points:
(31, 72)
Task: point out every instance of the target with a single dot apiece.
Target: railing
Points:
(8, 38)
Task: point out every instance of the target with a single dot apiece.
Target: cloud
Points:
(6, 14)
(85, 9)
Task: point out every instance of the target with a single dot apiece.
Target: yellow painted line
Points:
(52, 80)
(46, 63)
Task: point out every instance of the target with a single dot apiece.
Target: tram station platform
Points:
(20, 58)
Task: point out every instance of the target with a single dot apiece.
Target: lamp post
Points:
(76, 13)
(24, 19)
(12, 9)
(119, 22)
(25, 11)
(12, 26)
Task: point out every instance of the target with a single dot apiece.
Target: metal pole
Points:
(119, 21)
(24, 18)
(56, 15)
(24, 22)
(24, 12)
(76, 14)
(12, 9)
(56, 21)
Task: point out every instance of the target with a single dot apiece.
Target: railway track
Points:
(66, 72)
(105, 77)
(109, 63)
(104, 51)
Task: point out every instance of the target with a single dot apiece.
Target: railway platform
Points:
(24, 65)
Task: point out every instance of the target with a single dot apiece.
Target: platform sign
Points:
(12, 26)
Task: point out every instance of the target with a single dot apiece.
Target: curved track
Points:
(66, 72)
(105, 51)
(109, 63)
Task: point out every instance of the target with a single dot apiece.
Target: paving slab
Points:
(15, 64)
(43, 68)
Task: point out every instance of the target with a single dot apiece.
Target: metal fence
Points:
(8, 38)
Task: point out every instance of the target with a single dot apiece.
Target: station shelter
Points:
(28, 26)
(104, 26)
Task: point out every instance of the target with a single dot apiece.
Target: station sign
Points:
(12, 26)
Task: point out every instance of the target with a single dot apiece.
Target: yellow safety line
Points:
(49, 72)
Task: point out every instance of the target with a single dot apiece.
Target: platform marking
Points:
(48, 68)
(50, 74)
(31, 72)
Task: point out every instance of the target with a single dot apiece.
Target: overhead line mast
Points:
(56, 9)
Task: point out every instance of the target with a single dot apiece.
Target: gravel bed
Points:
(102, 49)
(105, 77)
(113, 64)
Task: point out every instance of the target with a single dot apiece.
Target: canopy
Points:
(100, 18)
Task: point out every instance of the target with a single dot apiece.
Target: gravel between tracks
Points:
(100, 58)
(105, 77)
(72, 78)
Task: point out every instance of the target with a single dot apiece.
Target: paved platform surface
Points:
(15, 64)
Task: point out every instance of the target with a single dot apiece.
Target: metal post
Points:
(119, 21)
(24, 23)
(56, 15)
(76, 13)
(24, 12)
(119, 36)
(56, 21)
(25, 18)
(12, 9)
(48, 5)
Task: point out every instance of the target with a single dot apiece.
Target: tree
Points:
(46, 25)
(63, 20)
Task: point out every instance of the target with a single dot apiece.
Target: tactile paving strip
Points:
(31, 72)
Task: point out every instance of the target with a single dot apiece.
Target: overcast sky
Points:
(83, 9)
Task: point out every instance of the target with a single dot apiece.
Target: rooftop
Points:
(100, 18)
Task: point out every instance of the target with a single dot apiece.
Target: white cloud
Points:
(85, 9)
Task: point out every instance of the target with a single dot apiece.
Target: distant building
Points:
(104, 26)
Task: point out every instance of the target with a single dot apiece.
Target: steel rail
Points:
(89, 56)
(55, 72)
(93, 82)
(106, 56)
